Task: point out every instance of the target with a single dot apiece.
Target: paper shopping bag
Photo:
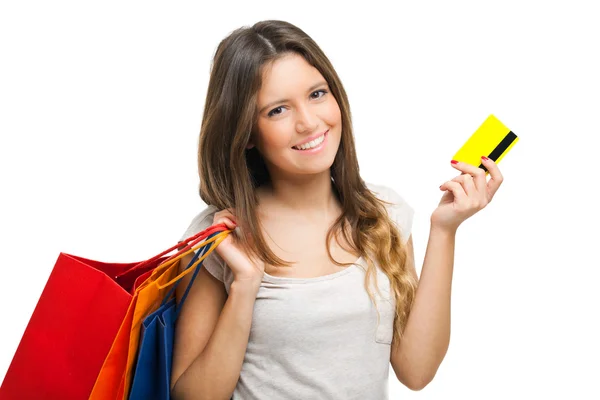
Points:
(71, 329)
(113, 377)
(152, 372)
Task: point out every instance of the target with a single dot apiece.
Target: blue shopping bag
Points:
(152, 374)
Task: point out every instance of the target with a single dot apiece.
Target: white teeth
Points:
(311, 144)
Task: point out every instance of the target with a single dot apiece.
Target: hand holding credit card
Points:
(470, 192)
(492, 139)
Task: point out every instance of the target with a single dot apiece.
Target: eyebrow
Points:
(271, 104)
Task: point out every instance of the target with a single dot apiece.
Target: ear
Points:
(251, 140)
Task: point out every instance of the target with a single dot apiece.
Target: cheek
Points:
(275, 136)
(333, 113)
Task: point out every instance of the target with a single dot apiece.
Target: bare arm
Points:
(211, 337)
(419, 354)
(417, 357)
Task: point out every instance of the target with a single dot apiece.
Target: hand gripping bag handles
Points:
(74, 325)
(152, 373)
(114, 378)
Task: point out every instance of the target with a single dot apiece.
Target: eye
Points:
(319, 91)
(273, 111)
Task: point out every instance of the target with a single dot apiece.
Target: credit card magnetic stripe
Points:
(509, 140)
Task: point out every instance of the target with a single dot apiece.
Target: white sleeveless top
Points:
(317, 338)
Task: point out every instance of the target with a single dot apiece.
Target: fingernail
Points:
(454, 162)
(484, 158)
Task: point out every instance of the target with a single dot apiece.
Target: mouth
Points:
(312, 144)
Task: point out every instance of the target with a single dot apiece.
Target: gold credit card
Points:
(492, 139)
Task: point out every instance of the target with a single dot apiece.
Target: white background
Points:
(100, 107)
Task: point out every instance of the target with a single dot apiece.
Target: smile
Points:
(314, 145)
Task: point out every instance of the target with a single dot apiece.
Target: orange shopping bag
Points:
(114, 379)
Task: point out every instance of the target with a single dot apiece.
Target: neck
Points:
(305, 194)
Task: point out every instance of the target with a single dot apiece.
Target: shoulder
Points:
(388, 194)
(399, 210)
(200, 221)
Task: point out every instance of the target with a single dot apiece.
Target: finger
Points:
(456, 189)
(230, 224)
(496, 176)
(477, 173)
(225, 217)
(467, 182)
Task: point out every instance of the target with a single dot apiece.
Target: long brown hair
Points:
(229, 173)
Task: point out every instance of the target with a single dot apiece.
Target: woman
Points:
(315, 293)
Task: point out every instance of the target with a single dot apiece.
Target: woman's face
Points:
(296, 108)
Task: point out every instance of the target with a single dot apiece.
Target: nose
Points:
(306, 120)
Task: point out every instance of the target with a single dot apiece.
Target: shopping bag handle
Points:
(218, 238)
(191, 241)
(188, 244)
(165, 265)
(158, 272)
(197, 267)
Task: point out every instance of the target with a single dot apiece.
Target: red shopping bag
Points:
(73, 326)
(71, 330)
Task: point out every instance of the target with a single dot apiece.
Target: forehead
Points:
(287, 76)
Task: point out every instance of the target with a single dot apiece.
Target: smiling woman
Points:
(276, 151)
(311, 297)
